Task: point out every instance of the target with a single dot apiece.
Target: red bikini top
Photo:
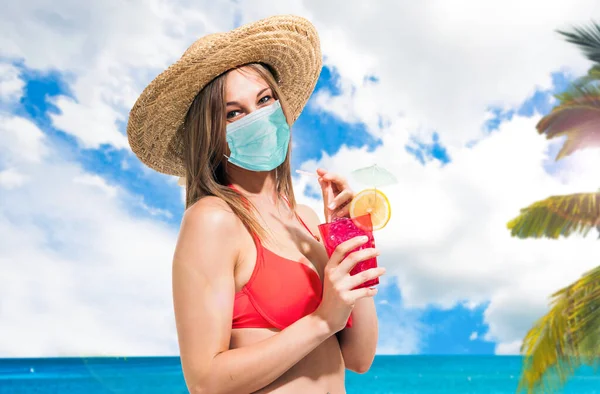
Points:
(279, 292)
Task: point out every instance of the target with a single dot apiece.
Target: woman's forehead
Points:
(240, 82)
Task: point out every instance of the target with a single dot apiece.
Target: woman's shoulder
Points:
(212, 214)
(208, 234)
(209, 224)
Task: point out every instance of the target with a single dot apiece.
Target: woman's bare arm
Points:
(203, 294)
(359, 342)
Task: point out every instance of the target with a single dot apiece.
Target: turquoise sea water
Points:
(389, 374)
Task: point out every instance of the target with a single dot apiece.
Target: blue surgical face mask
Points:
(259, 141)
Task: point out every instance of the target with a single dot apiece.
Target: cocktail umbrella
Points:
(374, 176)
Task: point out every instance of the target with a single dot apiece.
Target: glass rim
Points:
(355, 219)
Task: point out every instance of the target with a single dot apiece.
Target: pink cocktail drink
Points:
(341, 230)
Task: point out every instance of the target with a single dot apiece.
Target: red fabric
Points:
(279, 292)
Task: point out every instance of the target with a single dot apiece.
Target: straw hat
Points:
(288, 44)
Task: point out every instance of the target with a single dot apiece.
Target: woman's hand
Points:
(339, 293)
(337, 194)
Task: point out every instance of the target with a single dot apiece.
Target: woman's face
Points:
(245, 92)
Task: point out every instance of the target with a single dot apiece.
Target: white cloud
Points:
(107, 50)
(155, 211)
(442, 64)
(93, 124)
(11, 178)
(399, 336)
(75, 262)
(473, 336)
(447, 241)
(98, 182)
(510, 348)
(400, 329)
(11, 85)
(21, 141)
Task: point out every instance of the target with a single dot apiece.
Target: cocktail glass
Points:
(341, 230)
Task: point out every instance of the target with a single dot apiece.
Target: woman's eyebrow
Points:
(262, 91)
(258, 94)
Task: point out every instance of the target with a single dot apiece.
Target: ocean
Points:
(389, 374)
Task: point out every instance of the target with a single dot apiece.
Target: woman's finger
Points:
(363, 276)
(337, 179)
(328, 197)
(343, 212)
(322, 184)
(344, 249)
(362, 292)
(356, 257)
(343, 197)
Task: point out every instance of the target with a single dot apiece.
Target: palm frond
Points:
(584, 90)
(588, 39)
(558, 215)
(544, 350)
(584, 315)
(577, 115)
(566, 338)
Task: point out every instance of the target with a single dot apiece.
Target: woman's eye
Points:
(264, 99)
(232, 114)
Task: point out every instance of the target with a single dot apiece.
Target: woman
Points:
(259, 306)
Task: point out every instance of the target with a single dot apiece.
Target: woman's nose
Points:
(251, 108)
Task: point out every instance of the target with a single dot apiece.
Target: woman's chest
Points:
(289, 249)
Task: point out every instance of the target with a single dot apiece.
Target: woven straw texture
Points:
(289, 44)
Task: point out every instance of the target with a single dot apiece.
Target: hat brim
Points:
(288, 44)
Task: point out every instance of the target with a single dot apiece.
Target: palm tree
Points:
(568, 336)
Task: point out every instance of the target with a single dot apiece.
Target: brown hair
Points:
(205, 146)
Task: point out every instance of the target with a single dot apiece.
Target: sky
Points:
(445, 94)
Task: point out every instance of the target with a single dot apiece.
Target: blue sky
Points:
(454, 119)
(444, 331)
(117, 166)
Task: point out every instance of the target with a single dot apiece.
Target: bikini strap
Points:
(289, 205)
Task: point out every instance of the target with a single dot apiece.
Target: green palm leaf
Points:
(567, 337)
(588, 39)
(577, 115)
(558, 215)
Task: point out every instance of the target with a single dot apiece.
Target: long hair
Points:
(205, 145)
